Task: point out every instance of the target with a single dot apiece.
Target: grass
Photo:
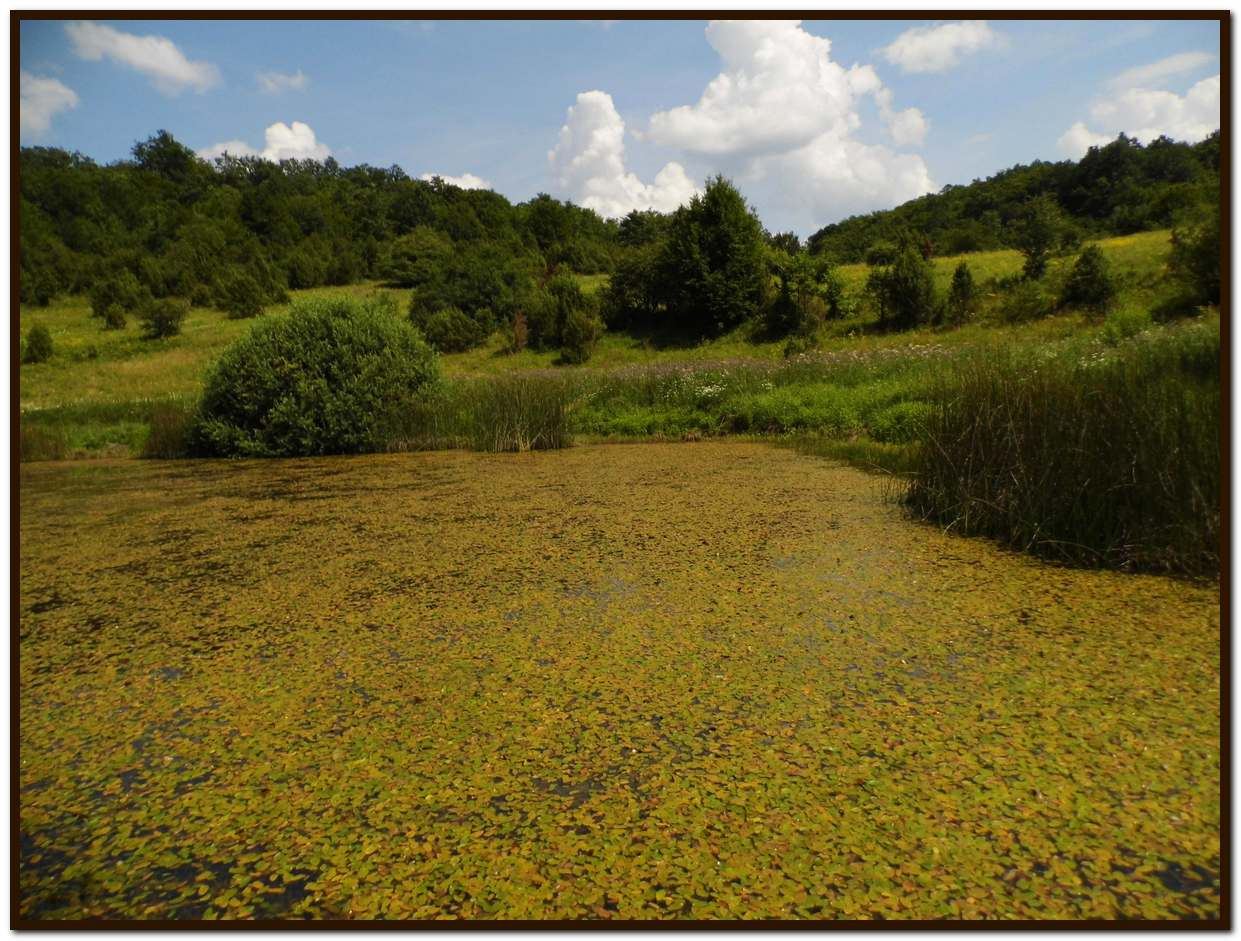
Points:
(1104, 454)
(99, 389)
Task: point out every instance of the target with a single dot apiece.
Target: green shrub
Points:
(162, 318)
(1194, 262)
(324, 380)
(114, 317)
(38, 345)
(579, 334)
(121, 289)
(962, 295)
(1123, 324)
(450, 331)
(240, 296)
(904, 291)
(1026, 301)
(1090, 284)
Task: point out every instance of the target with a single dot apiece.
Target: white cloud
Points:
(1078, 139)
(467, 181)
(283, 142)
(1146, 114)
(937, 48)
(836, 176)
(40, 99)
(1148, 76)
(908, 128)
(779, 90)
(589, 163)
(155, 56)
(783, 112)
(274, 83)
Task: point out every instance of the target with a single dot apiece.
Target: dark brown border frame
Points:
(1223, 17)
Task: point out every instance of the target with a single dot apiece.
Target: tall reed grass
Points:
(1096, 455)
(527, 411)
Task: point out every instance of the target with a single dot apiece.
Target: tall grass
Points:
(1097, 455)
(526, 411)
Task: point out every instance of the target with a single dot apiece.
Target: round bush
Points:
(451, 331)
(38, 345)
(321, 381)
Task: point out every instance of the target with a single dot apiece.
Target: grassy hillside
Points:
(99, 386)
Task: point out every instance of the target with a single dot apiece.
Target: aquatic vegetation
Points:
(683, 680)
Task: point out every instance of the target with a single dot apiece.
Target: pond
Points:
(704, 680)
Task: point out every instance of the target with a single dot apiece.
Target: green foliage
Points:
(38, 345)
(322, 381)
(712, 273)
(1116, 189)
(163, 317)
(904, 292)
(962, 295)
(1194, 263)
(170, 428)
(122, 290)
(114, 317)
(633, 295)
(450, 331)
(808, 293)
(578, 334)
(1108, 459)
(1025, 301)
(1124, 323)
(1090, 284)
(1039, 230)
(240, 295)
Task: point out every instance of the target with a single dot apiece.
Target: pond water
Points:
(703, 680)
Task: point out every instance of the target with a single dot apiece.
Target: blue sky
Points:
(814, 121)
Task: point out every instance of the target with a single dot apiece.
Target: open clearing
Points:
(710, 680)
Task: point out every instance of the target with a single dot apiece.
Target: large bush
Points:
(450, 331)
(1090, 284)
(324, 380)
(162, 318)
(904, 291)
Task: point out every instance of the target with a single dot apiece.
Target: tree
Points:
(962, 295)
(712, 274)
(1038, 233)
(905, 290)
(162, 318)
(1194, 261)
(1090, 284)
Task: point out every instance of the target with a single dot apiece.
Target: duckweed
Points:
(705, 680)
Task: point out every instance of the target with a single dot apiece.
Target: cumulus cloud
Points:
(155, 56)
(1146, 114)
(588, 162)
(783, 111)
(467, 181)
(283, 142)
(779, 90)
(40, 99)
(938, 48)
(274, 83)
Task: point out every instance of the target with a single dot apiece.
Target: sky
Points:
(814, 120)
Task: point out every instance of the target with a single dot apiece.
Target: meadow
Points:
(95, 396)
(706, 680)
